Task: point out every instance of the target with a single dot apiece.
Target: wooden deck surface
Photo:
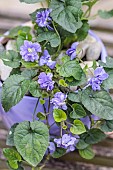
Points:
(13, 13)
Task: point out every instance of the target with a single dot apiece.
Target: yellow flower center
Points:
(30, 50)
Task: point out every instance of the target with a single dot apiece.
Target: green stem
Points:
(86, 14)
(52, 125)
(44, 44)
(42, 4)
(46, 114)
(85, 65)
(46, 160)
(61, 130)
(88, 11)
(44, 108)
(35, 109)
(33, 168)
(48, 2)
(69, 123)
(70, 105)
(59, 47)
(49, 105)
(90, 18)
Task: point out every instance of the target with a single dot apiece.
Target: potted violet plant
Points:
(55, 82)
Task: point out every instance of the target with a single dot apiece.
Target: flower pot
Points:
(25, 108)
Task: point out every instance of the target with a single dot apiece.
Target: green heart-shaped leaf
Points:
(87, 153)
(67, 14)
(14, 89)
(78, 128)
(31, 140)
(51, 37)
(59, 115)
(78, 111)
(99, 103)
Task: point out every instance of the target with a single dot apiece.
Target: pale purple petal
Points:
(46, 60)
(71, 148)
(99, 71)
(67, 142)
(74, 45)
(99, 76)
(64, 107)
(72, 51)
(51, 64)
(59, 100)
(73, 55)
(51, 147)
(43, 18)
(42, 61)
(45, 81)
(29, 51)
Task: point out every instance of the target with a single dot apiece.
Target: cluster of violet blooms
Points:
(30, 53)
(43, 19)
(67, 142)
(99, 76)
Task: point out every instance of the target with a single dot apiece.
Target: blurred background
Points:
(13, 13)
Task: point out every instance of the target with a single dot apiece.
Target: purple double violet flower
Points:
(43, 19)
(59, 101)
(67, 142)
(45, 81)
(46, 60)
(29, 51)
(72, 51)
(99, 76)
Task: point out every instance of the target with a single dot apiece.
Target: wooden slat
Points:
(102, 161)
(6, 24)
